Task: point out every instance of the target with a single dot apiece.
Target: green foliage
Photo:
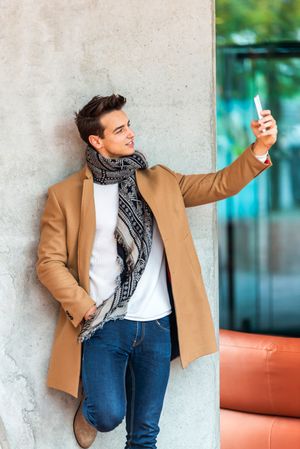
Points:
(255, 21)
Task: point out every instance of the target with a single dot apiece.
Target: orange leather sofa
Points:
(259, 391)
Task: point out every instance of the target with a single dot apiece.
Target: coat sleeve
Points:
(198, 189)
(51, 266)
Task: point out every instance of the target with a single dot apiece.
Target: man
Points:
(117, 253)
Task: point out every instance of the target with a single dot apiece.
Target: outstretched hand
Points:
(265, 131)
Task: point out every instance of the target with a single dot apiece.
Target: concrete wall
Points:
(55, 56)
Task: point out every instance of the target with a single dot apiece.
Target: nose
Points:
(130, 133)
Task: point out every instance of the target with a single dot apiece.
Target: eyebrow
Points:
(119, 127)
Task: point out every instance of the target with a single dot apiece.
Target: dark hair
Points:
(87, 119)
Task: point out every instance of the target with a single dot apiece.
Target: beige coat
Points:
(67, 232)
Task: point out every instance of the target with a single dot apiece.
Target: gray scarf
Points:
(133, 233)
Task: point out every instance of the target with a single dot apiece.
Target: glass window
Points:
(259, 229)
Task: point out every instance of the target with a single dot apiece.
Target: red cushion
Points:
(241, 430)
(260, 373)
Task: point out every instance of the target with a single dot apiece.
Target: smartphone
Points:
(258, 106)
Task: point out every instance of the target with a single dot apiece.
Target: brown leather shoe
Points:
(85, 434)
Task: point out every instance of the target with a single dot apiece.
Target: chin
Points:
(130, 151)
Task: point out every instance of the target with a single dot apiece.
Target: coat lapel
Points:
(146, 189)
(87, 228)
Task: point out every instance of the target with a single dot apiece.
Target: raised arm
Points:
(51, 266)
(206, 188)
(200, 189)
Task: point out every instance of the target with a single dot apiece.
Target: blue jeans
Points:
(125, 372)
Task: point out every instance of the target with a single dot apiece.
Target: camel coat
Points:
(67, 230)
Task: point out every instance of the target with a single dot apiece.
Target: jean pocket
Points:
(163, 323)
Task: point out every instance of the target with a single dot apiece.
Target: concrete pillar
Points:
(55, 56)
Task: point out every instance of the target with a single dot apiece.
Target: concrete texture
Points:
(55, 56)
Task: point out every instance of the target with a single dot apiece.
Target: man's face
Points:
(118, 139)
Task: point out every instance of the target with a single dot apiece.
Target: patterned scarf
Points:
(133, 233)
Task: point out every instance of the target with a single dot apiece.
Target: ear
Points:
(95, 141)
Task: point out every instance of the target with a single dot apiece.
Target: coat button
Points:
(69, 315)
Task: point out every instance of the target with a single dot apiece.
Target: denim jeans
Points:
(125, 372)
